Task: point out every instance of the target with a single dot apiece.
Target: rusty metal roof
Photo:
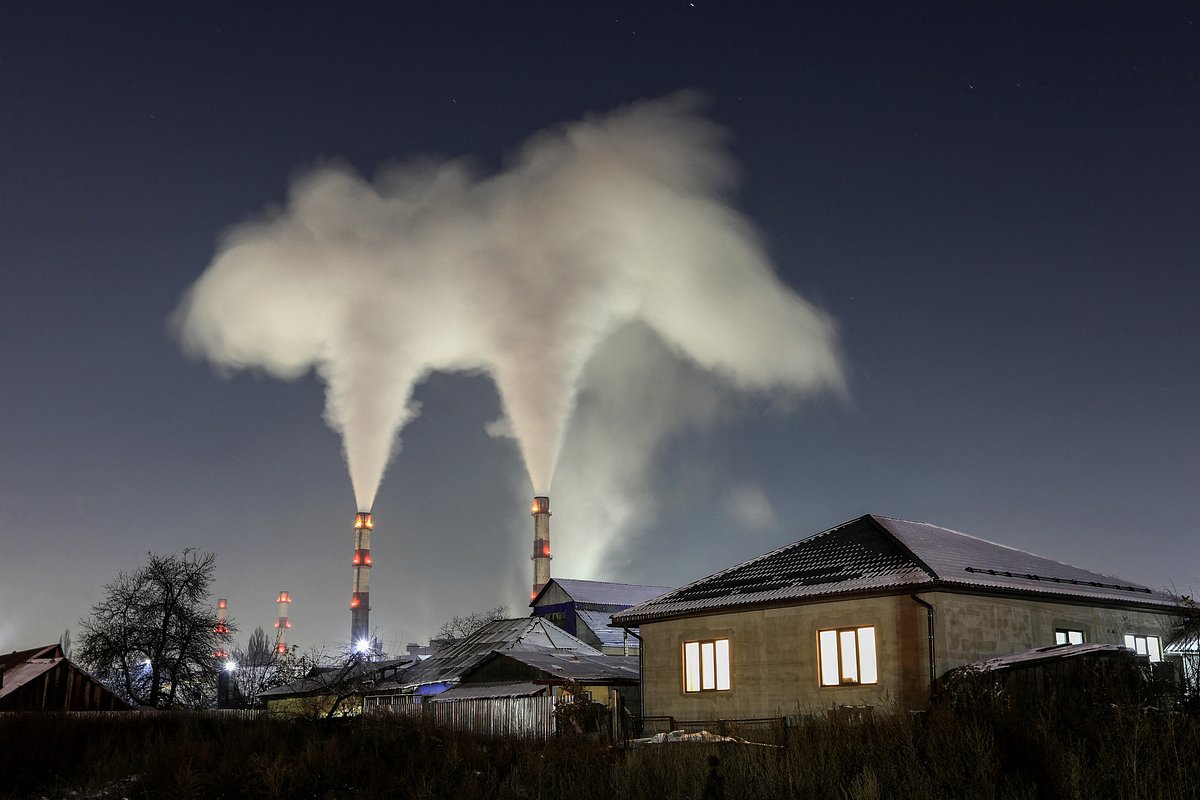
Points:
(20, 667)
(882, 555)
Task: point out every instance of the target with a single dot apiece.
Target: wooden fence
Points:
(522, 717)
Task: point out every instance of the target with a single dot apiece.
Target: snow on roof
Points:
(523, 634)
(880, 555)
(602, 593)
(584, 667)
(598, 622)
(488, 691)
(1040, 655)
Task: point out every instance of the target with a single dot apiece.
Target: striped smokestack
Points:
(222, 625)
(282, 624)
(360, 601)
(541, 543)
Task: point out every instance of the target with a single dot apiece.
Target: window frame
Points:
(700, 669)
(1145, 637)
(1066, 632)
(840, 660)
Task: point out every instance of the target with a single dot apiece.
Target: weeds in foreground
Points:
(992, 751)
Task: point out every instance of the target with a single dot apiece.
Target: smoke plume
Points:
(523, 274)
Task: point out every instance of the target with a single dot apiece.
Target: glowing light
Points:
(363, 645)
(354, 601)
(230, 666)
(222, 603)
(363, 520)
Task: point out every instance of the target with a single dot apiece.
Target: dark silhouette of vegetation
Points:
(994, 750)
(152, 637)
(460, 627)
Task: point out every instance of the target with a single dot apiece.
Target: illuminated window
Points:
(706, 666)
(847, 656)
(1144, 646)
(1065, 636)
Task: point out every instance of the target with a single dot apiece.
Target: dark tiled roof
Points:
(602, 593)
(881, 555)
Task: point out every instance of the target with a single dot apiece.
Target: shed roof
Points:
(599, 623)
(22, 666)
(503, 635)
(320, 679)
(594, 667)
(603, 593)
(1054, 652)
(490, 691)
(881, 555)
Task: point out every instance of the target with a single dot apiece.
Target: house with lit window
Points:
(871, 613)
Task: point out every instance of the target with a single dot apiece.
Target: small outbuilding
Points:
(43, 679)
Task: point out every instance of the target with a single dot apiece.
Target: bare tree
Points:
(460, 627)
(64, 642)
(153, 635)
(256, 666)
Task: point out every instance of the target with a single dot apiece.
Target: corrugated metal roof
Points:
(1041, 655)
(602, 593)
(322, 678)
(503, 635)
(598, 623)
(874, 554)
(584, 667)
(17, 673)
(489, 691)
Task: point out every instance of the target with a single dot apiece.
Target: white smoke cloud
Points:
(523, 274)
(749, 507)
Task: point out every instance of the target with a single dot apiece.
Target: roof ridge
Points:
(920, 562)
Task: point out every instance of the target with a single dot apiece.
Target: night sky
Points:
(998, 207)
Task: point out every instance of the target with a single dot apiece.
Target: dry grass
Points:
(991, 752)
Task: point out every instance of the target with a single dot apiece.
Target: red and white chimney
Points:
(360, 601)
(282, 624)
(222, 626)
(541, 543)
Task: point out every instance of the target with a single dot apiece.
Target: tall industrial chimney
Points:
(541, 543)
(360, 602)
(222, 626)
(282, 624)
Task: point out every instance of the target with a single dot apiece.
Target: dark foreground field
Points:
(1096, 752)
